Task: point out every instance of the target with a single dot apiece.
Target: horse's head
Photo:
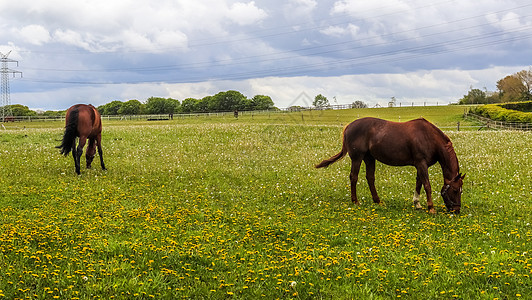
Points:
(451, 192)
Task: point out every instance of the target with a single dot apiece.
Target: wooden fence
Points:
(493, 124)
(486, 122)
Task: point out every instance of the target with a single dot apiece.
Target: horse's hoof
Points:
(432, 211)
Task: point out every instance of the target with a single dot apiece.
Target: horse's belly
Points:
(393, 158)
(394, 161)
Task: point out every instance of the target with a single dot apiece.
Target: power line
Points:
(396, 55)
(377, 57)
(284, 30)
(286, 55)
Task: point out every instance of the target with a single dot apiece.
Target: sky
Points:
(419, 51)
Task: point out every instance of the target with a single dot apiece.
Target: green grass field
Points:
(221, 208)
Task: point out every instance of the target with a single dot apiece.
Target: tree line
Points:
(223, 101)
(512, 88)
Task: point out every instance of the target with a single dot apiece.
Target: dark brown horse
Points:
(415, 143)
(82, 121)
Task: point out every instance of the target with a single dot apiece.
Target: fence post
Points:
(458, 126)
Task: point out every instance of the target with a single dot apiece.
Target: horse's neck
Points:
(449, 162)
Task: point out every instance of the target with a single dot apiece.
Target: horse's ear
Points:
(460, 176)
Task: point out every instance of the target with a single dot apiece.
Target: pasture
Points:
(233, 208)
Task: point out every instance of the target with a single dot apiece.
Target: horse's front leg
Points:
(370, 176)
(353, 176)
(423, 175)
(417, 193)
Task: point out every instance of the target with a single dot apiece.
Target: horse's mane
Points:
(451, 159)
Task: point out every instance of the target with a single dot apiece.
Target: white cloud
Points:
(338, 31)
(246, 13)
(509, 21)
(135, 40)
(171, 39)
(35, 34)
(102, 25)
(299, 9)
(73, 38)
(335, 31)
(367, 9)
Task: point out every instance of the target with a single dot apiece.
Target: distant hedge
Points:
(520, 112)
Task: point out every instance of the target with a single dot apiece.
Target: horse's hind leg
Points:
(77, 154)
(91, 151)
(100, 151)
(353, 176)
(370, 176)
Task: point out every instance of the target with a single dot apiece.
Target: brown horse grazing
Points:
(82, 121)
(415, 143)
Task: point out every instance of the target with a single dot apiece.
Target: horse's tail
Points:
(325, 163)
(71, 132)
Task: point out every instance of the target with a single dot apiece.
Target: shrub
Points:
(510, 112)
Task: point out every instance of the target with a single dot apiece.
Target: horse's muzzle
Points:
(454, 209)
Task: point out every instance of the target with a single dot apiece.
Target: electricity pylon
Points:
(5, 106)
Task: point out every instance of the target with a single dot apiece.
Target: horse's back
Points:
(88, 119)
(393, 143)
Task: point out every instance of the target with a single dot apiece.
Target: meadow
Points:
(223, 208)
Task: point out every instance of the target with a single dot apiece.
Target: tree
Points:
(227, 101)
(320, 101)
(54, 113)
(157, 105)
(511, 88)
(189, 105)
(359, 104)
(110, 108)
(245, 104)
(392, 102)
(21, 110)
(173, 105)
(526, 78)
(203, 104)
(261, 102)
(474, 96)
(131, 107)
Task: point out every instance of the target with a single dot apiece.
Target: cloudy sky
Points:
(96, 51)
